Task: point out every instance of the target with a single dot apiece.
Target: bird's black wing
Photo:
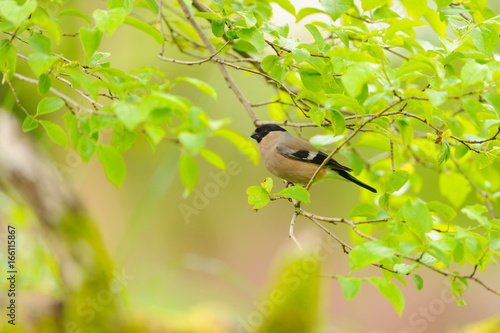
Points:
(314, 157)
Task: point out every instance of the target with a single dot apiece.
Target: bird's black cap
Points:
(261, 131)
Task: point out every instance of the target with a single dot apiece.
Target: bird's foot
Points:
(288, 184)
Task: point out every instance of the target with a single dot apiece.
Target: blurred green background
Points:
(206, 263)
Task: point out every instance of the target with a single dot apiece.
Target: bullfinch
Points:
(296, 160)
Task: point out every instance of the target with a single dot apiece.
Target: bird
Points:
(296, 160)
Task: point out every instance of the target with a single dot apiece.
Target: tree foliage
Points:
(393, 104)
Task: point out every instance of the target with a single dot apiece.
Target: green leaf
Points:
(435, 22)
(444, 154)
(417, 217)
(258, 197)
(304, 12)
(44, 84)
(355, 162)
(218, 27)
(300, 55)
(29, 123)
(56, 133)
(338, 121)
(122, 138)
(8, 61)
(146, 28)
(41, 62)
(436, 97)
(155, 134)
(335, 8)
(364, 210)
(317, 115)
(368, 5)
(485, 38)
(130, 114)
(493, 100)
(109, 20)
(343, 37)
(286, 5)
(323, 140)
(419, 282)
(276, 112)
(98, 57)
(368, 253)
(248, 17)
(356, 76)
(267, 184)
(311, 79)
(278, 72)
(403, 269)
(10, 11)
(40, 43)
(389, 291)
(415, 8)
(473, 72)
(254, 37)
(42, 19)
(202, 86)
(186, 29)
(209, 16)
(396, 181)
(48, 105)
(192, 142)
(442, 4)
(76, 13)
(86, 148)
(454, 187)
(316, 35)
(219, 3)
(350, 286)
(127, 5)
(295, 192)
(213, 158)
(188, 170)
(446, 211)
(113, 164)
(476, 213)
(91, 39)
(428, 259)
(243, 144)
(269, 61)
(406, 131)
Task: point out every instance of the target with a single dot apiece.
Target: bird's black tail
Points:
(355, 181)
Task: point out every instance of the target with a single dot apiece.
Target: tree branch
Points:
(232, 85)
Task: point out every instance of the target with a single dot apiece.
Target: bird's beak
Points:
(255, 136)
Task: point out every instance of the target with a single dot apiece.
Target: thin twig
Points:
(390, 106)
(160, 7)
(481, 192)
(292, 236)
(392, 155)
(232, 85)
(18, 102)
(64, 97)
